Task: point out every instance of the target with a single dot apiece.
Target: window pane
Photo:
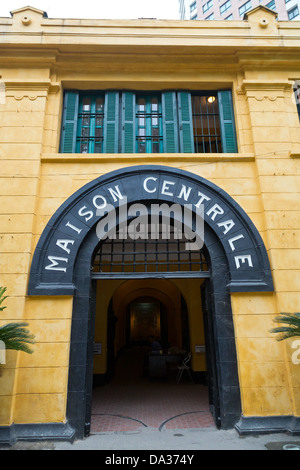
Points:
(86, 105)
(206, 122)
(90, 124)
(149, 124)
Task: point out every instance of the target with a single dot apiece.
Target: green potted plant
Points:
(14, 335)
(292, 328)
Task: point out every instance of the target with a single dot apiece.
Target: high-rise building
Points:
(235, 9)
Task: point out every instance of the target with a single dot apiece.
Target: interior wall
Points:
(169, 293)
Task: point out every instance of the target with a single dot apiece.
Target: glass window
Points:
(149, 138)
(89, 137)
(271, 5)
(247, 6)
(148, 122)
(210, 17)
(193, 7)
(293, 13)
(206, 123)
(207, 6)
(225, 6)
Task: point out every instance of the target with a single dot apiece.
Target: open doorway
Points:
(130, 379)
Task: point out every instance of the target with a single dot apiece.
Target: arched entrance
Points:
(139, 388)
(236, 256)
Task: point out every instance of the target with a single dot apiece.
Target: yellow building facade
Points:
(76, 100)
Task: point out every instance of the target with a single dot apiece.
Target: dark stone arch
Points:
(53, 265)
(220, 336)
(225, 276)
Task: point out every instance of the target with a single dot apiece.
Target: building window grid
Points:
(293, 13)
(149, 137)
(271, 5)
(206, 124)
(90, 134)
(245, 7)
(162, 254)
(210, 17)
(207, 6)
(193, 7)
(225, 6)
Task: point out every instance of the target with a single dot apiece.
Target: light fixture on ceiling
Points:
(211, 99)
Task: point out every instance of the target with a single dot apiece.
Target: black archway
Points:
(237, 258)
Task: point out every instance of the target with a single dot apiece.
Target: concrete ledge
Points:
(9, 435)
(268, 424)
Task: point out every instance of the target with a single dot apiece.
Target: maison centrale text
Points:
(218, 216)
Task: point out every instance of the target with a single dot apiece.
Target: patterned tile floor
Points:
(131, 401)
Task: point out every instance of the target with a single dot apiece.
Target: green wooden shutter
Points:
(69, 125)
(128, 123)
(111, 123)
(228, 135)
(186, 133)
(170, 122)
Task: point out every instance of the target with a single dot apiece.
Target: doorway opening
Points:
(135, 385)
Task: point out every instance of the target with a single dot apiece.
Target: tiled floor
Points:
(132, 401)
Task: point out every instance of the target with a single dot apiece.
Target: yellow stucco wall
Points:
(42, 58)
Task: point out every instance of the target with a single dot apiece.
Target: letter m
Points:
(54, 266)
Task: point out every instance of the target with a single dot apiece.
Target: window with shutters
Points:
(89, 138)
(149, 137)
(148, 122)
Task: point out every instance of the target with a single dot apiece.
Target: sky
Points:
(98, 9)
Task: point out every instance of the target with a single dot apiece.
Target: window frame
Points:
(207, 6)
(243, 9)
(226, 6)
(149, 116)
(92, 116)
(120, 129)
(293, 9)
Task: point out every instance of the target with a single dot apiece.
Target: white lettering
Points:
(89, 214)
(116, 193)
(116, 460)
(63, 244)
(54, 266)
(103, 200)
(166, 187)
(185, 192)
(234, 239)
(202, 198)
(243, 259)
(78, 230)
(216, 210)
(146, 187)
(228, 225)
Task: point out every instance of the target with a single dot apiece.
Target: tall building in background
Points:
(235, 9)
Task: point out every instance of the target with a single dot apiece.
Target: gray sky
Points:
(99, 9)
